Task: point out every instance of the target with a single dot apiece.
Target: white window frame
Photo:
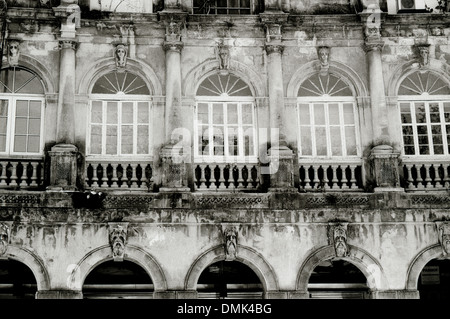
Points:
(326, 100)
(12, 98)
(426, 99)
(198, 158)
(135, 99)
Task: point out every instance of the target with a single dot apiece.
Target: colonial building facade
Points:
(224, 149)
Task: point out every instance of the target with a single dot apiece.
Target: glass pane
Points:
(202, 113)
(22, 108)
(447, 112)
(127, 113)
(21, 126)
(20, 143)
(96, 112)
(143, 113)
(435, 117)
(127, 139)
(333, 113)
(336, 141)
(247, 114)
(111, 113)
(96, 139)
(245, 3)
(305, 133)
(3, 123)
(3, 108)
(424, 150)
(33, 144)
(304, 114)
(218, 141)
(123, 83)
(35, 109)
(142, 140)
(319, 114)
(420, 113)
(232, 141)
(2, 143)
(232, 114)
(217, 113)
(33, 86)
(405, 110)
(111, 140)
(34, 127)
(321, 141)
(203, 141)
(249, 148)
(349, 116)
(350, 140)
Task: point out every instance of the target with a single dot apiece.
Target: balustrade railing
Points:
(335, 176)
(426, 174)
(118, 175)
(227, 177)
(21, 173)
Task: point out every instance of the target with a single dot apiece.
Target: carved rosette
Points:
(443, 229)
(230, 243)
(337, 236)
(5, 232)
(118, 240)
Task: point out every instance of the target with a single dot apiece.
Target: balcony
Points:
(426, 175)
(226, 177)
(21, 173)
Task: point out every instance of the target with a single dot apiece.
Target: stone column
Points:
(172, 158)
(63, 166)
(280, 155)
(382, 156)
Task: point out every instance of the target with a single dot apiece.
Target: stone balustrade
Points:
(21, 173)
(226, 176)
(426, 174)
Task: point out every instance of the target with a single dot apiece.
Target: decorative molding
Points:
(127, 200)
(120, 56)
(229, 200)
(19, 199)
(274, 48)
(68, 44)
(373, 46)
(443, 229)
(230, 235)
(338, 200)
(337, 236)
(173, 46)
(118, 239)
(5, 233)
(430, 199)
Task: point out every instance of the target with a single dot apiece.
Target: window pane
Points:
(143, 113)
(33, 144)
(321, 141)
(127, 112)
(96, 139)
(35, 109)
(20, 143)
(202, 113)
(333, 113)
(111, 113)
(245, 3)
(3, 123)
(111, 140)
(249, 146)
(435, 117)
(232, 141)
(217, 113)
(448, 137)
(420, 113)
(349, 116)
(447, 112)
(218, 141)
(350, 139)
(22, 108)
(305, 133)
(203, 141)
(2, 143)
(247, 114)
(232, 114)
(336, 141)
(405, 110)
(21, 126)
(304, 114)
(34, 127)
(142, 142)
(319, 114)
(96, 112)
(127, 139)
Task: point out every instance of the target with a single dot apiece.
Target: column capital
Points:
(175, 46)
(370, 46)
(68, 44)
(274, 48)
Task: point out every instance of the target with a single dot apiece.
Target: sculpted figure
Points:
(324, 56)
(121, 55)
(424, 56)
(230, 244)
(4, 238)
(340, 241)
(13, 52)
(117, 239)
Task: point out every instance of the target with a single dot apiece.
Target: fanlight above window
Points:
(223, 85)
(423, 83)
(324, 85)
(21, 81)
(121, 83)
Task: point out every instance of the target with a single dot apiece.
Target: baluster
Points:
(14, 179)
(439, 182)
(115, 177)
(95, 180)
(308, 180)
(133, 179)
(420, 180)
(3, 174)
(33, 178)
(427, 176)
(222, 177)
(446, 176)
(316, 180)
(410, 176)
(240, 178)
(353, 176)
(334, 179)
(344, 177)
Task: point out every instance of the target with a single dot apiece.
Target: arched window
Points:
(119, 121)
(424, 99)
(327, 118)
(225, 120)
(21, 112)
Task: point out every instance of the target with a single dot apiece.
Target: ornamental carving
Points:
(323, 54)
(230, 238)
(118, 240)
(274, 49)
(424, 55)
(273, 32)
(337, 236)
(13, 52)
(223, 56)
(443, 229)
(120, 56)
(4, 238)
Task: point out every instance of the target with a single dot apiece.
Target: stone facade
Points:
(63, 211)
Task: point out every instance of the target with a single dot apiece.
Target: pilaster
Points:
(384, 168)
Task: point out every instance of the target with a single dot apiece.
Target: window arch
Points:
(225, 120)
(22, 103)
(119, 116)
(327, 117)
(424, 103)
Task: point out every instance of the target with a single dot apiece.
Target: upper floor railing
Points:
(429, 174)
(21, 173)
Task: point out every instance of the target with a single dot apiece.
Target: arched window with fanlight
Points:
(424, 100)
(22, 104)
(328, 142)
(119, 121)
(225, 120)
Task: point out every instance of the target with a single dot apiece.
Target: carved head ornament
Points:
(118, 240)
(230, 238)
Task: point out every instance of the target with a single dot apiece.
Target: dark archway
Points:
(121, 280)
(434, 280)
(229, 280)
(337, 279)
(16, 281)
